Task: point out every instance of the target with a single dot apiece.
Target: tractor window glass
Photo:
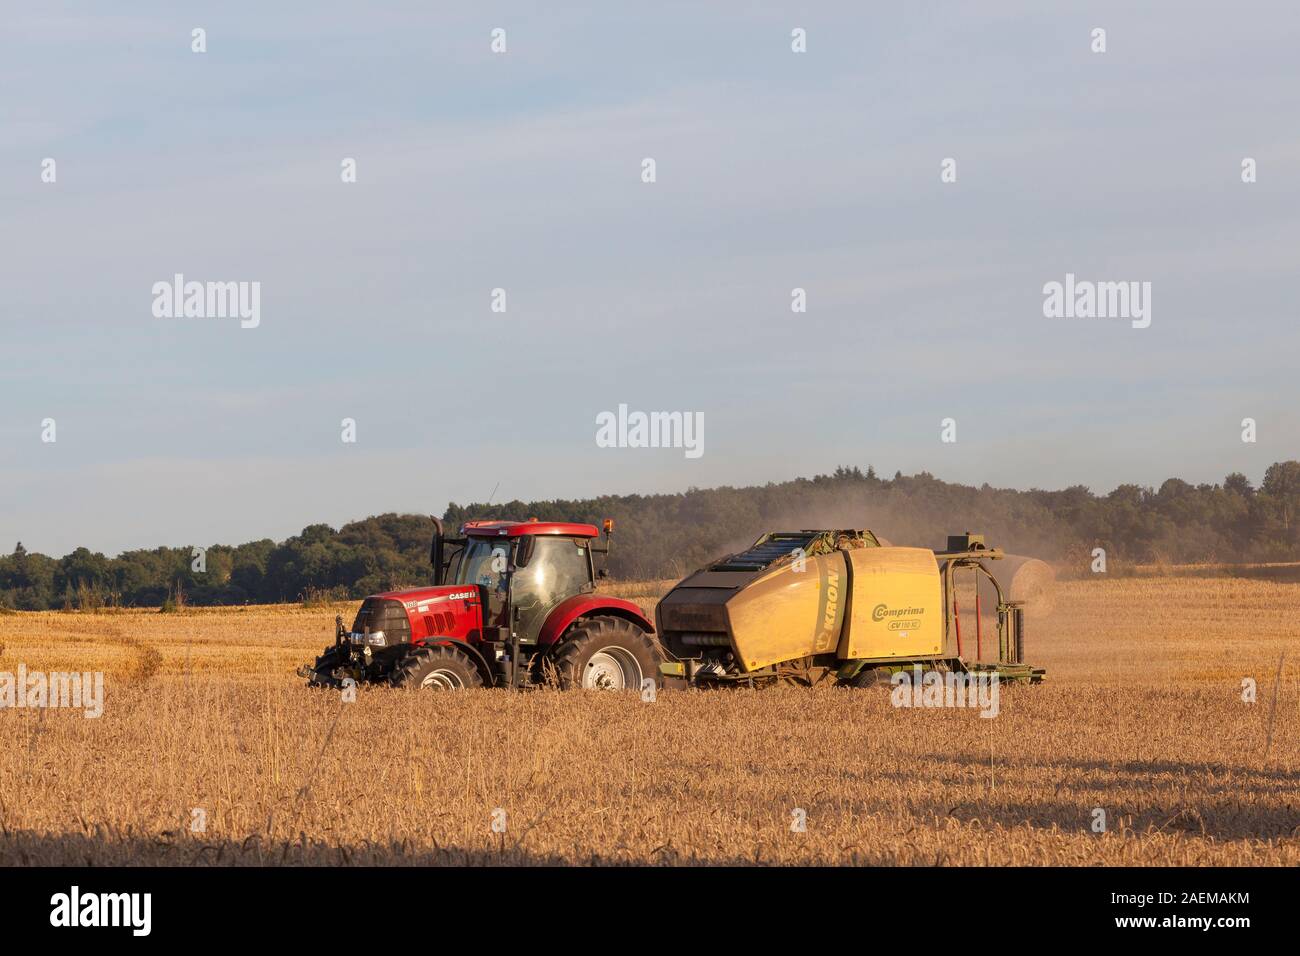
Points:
(559, 569)
(484, 561)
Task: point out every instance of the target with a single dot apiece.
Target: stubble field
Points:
(210, 751)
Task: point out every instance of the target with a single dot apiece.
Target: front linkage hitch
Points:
(341, 661)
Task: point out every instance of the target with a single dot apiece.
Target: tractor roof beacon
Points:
(512, 604)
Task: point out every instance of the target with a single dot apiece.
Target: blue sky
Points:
(522, 171)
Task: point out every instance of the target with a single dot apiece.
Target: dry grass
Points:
(1142, 716)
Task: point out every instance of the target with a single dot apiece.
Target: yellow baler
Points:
(804, 604)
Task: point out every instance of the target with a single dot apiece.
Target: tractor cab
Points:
(525, 569)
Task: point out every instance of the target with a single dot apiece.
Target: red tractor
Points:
(513, 604)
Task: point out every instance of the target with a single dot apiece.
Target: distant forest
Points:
(664, 536)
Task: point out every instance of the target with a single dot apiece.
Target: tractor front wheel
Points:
(322, 672)
(607, 653)
(436, 668)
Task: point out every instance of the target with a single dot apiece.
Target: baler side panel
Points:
(789, 613)
(897, 604)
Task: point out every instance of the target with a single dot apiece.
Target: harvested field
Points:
(1142, 716)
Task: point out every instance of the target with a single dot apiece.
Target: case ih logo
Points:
(423, 603)
(882, 611)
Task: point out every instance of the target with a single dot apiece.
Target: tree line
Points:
(668, 535)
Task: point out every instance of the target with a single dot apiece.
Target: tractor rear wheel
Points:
(436, 668)
(607, 653)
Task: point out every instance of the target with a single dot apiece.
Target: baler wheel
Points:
(436, 668)
(607, 653)
(871, 677)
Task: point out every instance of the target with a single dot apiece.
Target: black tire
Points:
(884, 677)
(436, 668)
(607, 653)
(324, 667)
(871, 677)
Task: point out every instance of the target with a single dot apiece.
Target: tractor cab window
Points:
(558, 568)
(485, 562)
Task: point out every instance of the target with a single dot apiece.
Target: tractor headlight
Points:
(373, 639)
